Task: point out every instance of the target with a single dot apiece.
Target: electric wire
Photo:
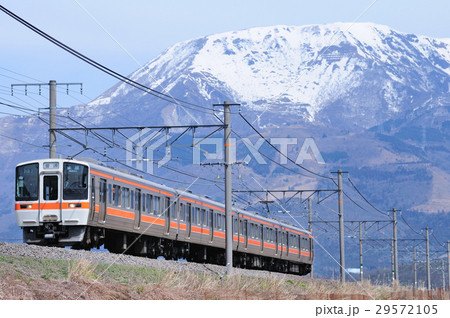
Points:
(362, 196)
(101, 67)
(282, 154)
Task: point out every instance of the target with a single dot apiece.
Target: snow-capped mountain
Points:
(375, 100)
(342, 74)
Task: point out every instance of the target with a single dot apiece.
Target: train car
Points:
(83, 204)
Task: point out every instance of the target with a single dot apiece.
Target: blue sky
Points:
(146, 28)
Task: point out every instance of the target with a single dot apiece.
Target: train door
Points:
(277, 238)
(287, 241)
(92, 205)
(102, 201)
(262, 237)
(211, 225)
(137, 209)
(167, 209)
(244, 232)
(188, 220)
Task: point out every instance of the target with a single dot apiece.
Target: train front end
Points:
(52, 201)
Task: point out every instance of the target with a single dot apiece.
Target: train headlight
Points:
(74, 205)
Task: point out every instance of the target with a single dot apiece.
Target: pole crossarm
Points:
(138, 127)
(293, 191)
(45, 84)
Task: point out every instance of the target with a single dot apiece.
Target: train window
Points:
(218, 221)
(109, 193)
(149, 204)
(50, 187)
(75, 181)
(132, 199)
(101, 191)
(235, 228)
(27, 182)
(175, 211)
(194, 216)
(156, 205)
(167, 210)
(125, 197)
(223, 222)
(182, 212)
(137, 200)
(115, 193)
(203, 217)
(188, 213)
(303, 244)
(144, 205)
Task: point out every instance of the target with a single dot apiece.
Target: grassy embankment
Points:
(33, 278)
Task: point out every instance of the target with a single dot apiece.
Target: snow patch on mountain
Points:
(306, 71)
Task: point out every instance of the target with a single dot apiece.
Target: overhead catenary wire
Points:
(23, 109)
(282, 154)
(103, 68)
(362, 196)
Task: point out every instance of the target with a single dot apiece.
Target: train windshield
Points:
(27, 182)
(75, 181)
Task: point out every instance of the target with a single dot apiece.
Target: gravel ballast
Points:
(104, 257)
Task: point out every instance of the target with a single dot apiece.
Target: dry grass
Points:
(81, 270)
(23, 278)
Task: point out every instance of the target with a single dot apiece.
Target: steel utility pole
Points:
(52, 119)
(228, 190)
(341, 224)
(310, 227)
(415, 268)
(448, 264)
(52, 109)
(361, 275)
(392, 261)
(443, 274)
(394, 238)
(428, 260)
(310, 214)
(228, 193)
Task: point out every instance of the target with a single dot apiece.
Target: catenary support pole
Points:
(52, 119)
(361, 275)
(228, 189)
(448, 265)
(394, 236)
(415, 268)
(428, 260)
(341, 225)
(310, 227)
(392, 262)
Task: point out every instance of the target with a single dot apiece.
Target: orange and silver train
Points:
(61, 202)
